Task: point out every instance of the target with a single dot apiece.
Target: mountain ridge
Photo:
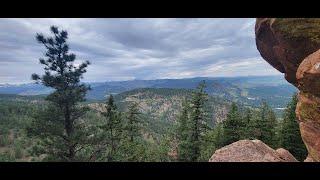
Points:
(250, 90)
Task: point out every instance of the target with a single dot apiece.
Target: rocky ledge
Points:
(251, 151)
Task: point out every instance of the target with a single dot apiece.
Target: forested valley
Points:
(139, 125)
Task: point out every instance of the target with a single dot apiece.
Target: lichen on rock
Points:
(299, 28)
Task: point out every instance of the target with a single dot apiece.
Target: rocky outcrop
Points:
(292, 46)
(251, 151)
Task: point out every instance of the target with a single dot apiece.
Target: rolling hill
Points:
(249, 90)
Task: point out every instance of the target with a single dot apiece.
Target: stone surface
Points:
(283, 53)
(286, 155)
(251, 151)
(292, 47)
(308, 159)
(308, 74)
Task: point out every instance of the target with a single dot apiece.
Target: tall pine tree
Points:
(61, 133)
(183, 133)
(134, 147)
(198, 124)
(133, 122)
(248, 124)
(266, 125)
(232, 125)
(113, 129)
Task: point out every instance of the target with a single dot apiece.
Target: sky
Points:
(127, 49)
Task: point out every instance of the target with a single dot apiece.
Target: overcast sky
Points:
(125, 49)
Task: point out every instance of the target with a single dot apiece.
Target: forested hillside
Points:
(249, 90)
(61, 118)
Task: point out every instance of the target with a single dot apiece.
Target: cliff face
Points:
(292, 46)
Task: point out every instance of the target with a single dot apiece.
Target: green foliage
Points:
(290, 137)
(232, 126)
(18, 151)
(4, 140)
(198, 122)
(248, 125)
(61, 133)
(266, 125)
(183, 132)
(112, 130)
(7, 157)
(218, 136)
(192, 127)
(133, 125)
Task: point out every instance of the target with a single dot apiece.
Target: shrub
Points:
(4, 140)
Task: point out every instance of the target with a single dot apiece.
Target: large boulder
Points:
(251, 151)
(292, 47)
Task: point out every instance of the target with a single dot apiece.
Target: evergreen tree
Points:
(248, 125)
(133, 122)
(266, 125)
(113, 129)
(59, 127)
(271, 129)
(198, 126)
(218, 135)
(183, 133)
(134, 147)
(290, 137)
(232, 125)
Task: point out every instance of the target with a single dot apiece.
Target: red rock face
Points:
(299, 60)
(308, 74)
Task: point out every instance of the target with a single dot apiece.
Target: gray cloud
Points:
(122, 49)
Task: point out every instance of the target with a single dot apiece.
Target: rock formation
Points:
(251, 151)
(292, 46)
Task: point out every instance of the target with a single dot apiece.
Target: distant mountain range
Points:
(247, 90)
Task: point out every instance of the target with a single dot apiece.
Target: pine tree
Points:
(113, 128)
(232, 125)
(59, 128)
(218, 135)
(290, 137)
(198, 124)
(266, 125)
(248, 125)
(271, 129)
(183, 133)
(134, 147)
(133, 124)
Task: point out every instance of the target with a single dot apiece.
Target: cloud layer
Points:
(124, 49)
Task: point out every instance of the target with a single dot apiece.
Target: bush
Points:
(4, 140)
(18, 152)
(6, 157)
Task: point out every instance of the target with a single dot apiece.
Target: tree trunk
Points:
(69, 131)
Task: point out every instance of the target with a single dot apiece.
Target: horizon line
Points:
(276, 75)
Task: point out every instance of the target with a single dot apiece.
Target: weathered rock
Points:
(251, 151)
(292, 47)
(308, 74)
(286, 155)
(308, 159)
(278, 44)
